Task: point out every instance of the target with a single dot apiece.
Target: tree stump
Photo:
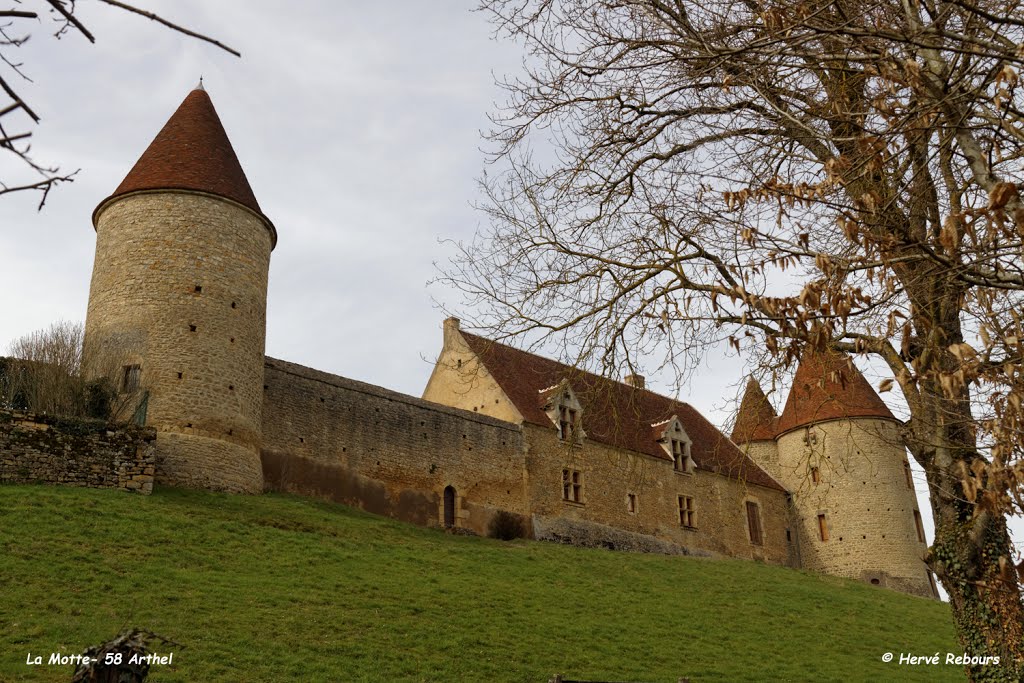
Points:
(121, 660)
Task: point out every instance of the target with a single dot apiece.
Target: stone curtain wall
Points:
(386, 452)
(42, 449)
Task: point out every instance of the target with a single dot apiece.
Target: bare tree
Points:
(15, 31)
(48, 372)
(782, 175)
(46, 376)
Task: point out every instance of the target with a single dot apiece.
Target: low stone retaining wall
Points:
(592, 535)
(73, 452)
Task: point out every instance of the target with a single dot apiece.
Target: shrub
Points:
(505, 526)
(99, 397)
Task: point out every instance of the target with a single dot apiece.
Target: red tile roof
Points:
(613, 413)
(192, 152)
(756, 419)
(828, 386)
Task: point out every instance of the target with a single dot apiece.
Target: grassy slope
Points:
(275, 588)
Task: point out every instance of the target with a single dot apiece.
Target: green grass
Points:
(279, 588)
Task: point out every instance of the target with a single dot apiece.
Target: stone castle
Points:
(180, 278)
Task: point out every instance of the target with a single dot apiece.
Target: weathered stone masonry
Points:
(386, 452)
(42, 449)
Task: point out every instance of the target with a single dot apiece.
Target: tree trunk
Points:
(972, 554)
(986, 607)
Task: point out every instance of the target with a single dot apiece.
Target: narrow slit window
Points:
(920, 526)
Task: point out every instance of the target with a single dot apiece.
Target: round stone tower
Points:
(837, 449)
(180, 286)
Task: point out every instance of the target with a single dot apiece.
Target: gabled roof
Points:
(756, 419)
(191, 152)
(828, 386)
(613, 413)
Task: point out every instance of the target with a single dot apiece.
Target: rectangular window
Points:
(631, 503)
(572, 486)
(908, 474)
(132, 375)
(822, 528)
(815, 475)
(566, 423)
(920, 526)
(754, 523)
(686, 512)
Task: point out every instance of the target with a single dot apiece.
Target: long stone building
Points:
(180, 283)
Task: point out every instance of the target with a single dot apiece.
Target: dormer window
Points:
(681, 456)
(566, 423)
(561, 405)
(676, 442)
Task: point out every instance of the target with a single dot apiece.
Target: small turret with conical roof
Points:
(180, 280)
(756, 419)
(755, 428)
(837, 449)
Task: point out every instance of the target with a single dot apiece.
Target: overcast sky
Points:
(358, 126)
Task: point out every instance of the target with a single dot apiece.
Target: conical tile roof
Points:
(191, 152)
(828, 386)
(756, 419)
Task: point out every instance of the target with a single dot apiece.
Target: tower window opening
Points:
(180, 375)
(908, 474)
(234, 305)
(920, 526)
(631, 503)
(815, 475)
(131, 377)
(199, 289)
(191, 328)
(822, 528)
